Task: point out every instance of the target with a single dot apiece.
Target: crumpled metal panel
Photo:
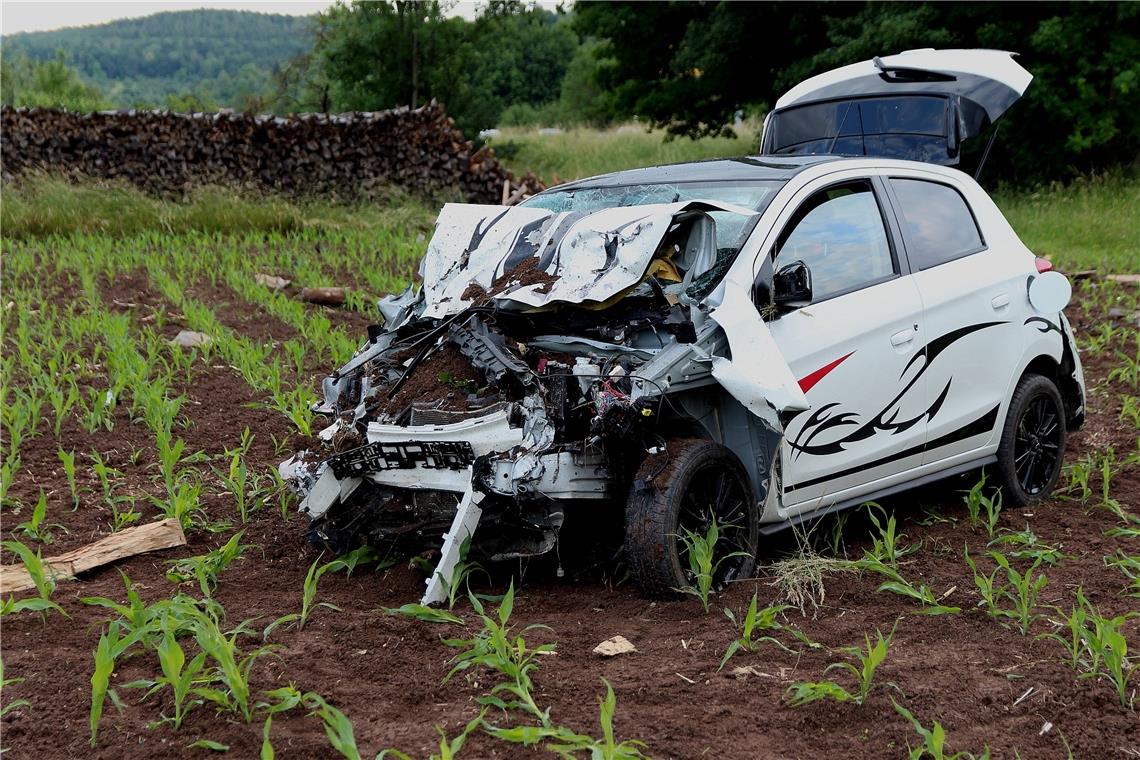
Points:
(593, 256)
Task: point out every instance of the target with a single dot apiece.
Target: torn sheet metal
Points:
(757, 375)
(587, 257)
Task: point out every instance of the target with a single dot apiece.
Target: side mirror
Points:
(791, 285)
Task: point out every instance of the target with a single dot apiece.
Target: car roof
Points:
(779, 168)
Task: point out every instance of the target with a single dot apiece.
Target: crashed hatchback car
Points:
(752, 342)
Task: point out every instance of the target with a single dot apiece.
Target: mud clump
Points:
(526, 273)
(444, 376)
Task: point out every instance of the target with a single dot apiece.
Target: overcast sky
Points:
(48, 14)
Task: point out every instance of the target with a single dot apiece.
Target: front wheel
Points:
(1032, 447)
(681, 493)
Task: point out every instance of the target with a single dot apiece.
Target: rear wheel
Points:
(1032, 446)
(697, 482)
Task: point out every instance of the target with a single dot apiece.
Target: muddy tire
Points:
(683, 489)
(1032, 447)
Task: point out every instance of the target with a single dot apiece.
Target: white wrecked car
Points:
(751, 342)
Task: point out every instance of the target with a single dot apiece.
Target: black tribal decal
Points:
(1046, 325)
(885, 421)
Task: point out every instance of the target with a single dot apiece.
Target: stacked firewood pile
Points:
(347, 155)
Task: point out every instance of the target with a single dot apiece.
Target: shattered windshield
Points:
(731, 229)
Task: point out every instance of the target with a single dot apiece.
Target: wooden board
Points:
(140, 539)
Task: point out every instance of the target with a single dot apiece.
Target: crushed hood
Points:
(534, 257)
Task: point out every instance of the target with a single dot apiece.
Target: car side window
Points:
(839, 233)
(937, 225)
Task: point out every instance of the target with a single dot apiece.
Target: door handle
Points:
(1000, 301)
(902, 337)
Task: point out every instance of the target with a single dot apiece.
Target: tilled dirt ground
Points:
(984, 683)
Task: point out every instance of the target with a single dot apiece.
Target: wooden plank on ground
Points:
(140, 539)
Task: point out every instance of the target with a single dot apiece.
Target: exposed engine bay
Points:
(543, 358)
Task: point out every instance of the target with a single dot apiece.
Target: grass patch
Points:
(43, 206)
(581, 152)
(1092, 223)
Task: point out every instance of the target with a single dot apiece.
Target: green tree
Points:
(47, 84)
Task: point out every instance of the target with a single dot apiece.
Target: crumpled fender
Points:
(757, 375)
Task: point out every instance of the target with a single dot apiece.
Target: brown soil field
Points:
(985, 683)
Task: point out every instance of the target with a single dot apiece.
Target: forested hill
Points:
(197, 57)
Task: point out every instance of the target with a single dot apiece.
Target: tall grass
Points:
(1092, 223)
(582, 152)
(42, 206)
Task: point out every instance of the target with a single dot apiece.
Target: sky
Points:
(50, 14)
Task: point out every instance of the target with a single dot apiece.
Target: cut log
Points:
(327, 296)
(140, 539)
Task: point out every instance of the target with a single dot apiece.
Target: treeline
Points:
(692, 68)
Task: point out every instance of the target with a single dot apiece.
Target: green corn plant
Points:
(338, 728)
(122, 518)
(204, 568)
(869, 659)
(1109, 650)
(976, 501)
(183, 504)
(7, 475)
(1075, 638)
(67, 459)
(461, 575)
(62, 401)
(1127, 370)
(15, 704)
(361, 555)
(897, 584)
(178, 675)
(105, 473)
(754, 620)
(1130, 410)
(243, 485)
(933, 741)
(42, 579)
(1016, 598)
(885, 540)
(425, 614)
(98, 412)
(497, 648)
(308, 596)
(35, 527)
(568, 744)
(112, 645)
(1023, 590)
(1128, 564)
(701, 554)
(1080, 475)
(1027, 547)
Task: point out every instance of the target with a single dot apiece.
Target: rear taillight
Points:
(1043, 265)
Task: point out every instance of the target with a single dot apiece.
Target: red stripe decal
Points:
(808, 381)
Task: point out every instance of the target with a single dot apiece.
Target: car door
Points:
(855, 349)
(973, 294)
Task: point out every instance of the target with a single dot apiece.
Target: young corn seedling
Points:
(308, 596)
(1080, 474)
(243, 485)
(98, 411)
(15, 704)
(204, 568)
(983, 510)
(754, 620)
(184, 504)
(1016, 598)
(701, 553)
(896, 584)
(1074, 626)
(933, 741)
(1128, 369)
(67, 459)
(885, 545)
(36, 527)
(177, 674)
(1130, 410)
(425, 614)
(112, 645)
(42, 579)
(62, 401)
(567, 743)
(460, 579)
(499, 649)
(1109, 651)
(1027, 547)
(1129, 565)
(869, 659)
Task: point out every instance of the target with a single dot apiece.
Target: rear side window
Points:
(937, 224)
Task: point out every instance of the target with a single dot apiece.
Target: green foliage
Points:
(754, 620)
(567, 743)
(181, 59)
(869, 659)
(42, 578)
(499, 649)
(204, 568)
(703, 562)
(308, 597)
(1015, 599)
(425, 614)
(983, 510)
(897, 584)
(36, 527)
(45, 83)
(933, 741)
(1096, 646)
